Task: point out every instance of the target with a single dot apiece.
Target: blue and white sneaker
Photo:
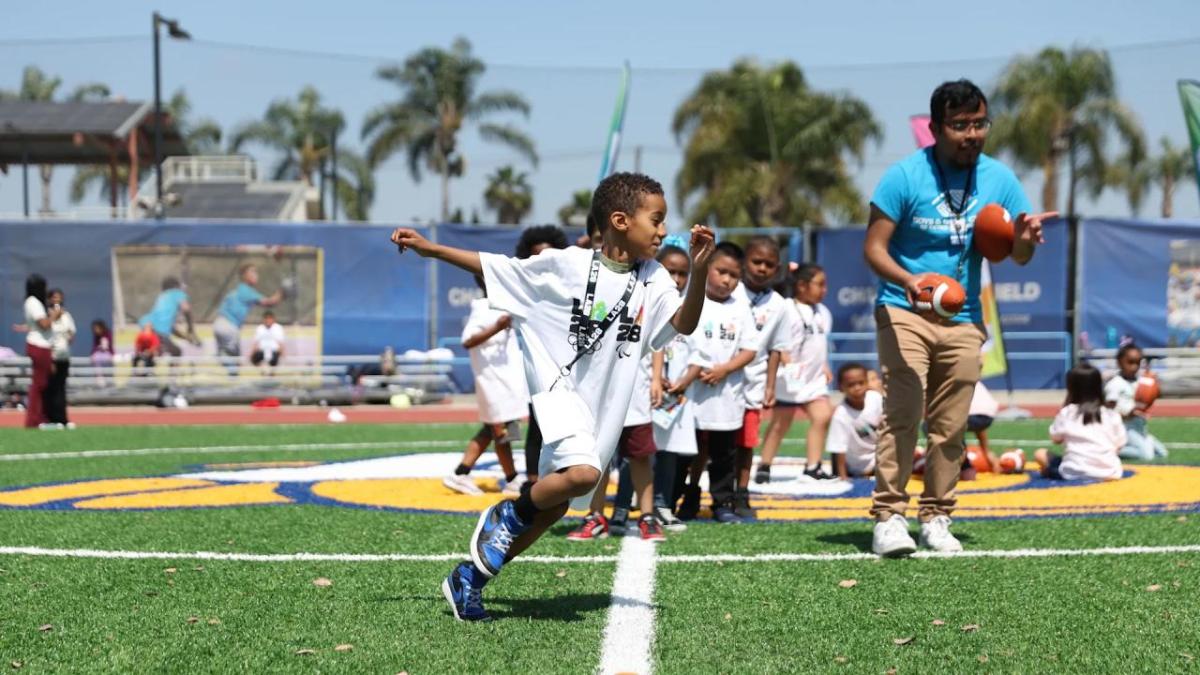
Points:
(493, 536)
(464, 591)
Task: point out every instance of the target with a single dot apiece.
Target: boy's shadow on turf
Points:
(570, 607)
(861, 539)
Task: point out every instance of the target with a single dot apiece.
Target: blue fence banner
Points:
(360, 294)
(1140, 279)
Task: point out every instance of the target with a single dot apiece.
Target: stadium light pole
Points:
(178, 33)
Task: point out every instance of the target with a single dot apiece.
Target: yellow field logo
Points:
(413, 483)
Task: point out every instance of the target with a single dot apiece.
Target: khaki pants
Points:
(929, 372)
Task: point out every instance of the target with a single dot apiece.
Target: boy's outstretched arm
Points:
(405, 238)
(702, 246)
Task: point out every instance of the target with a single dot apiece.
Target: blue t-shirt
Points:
(928, 236)
(162, 315)
(238, 303)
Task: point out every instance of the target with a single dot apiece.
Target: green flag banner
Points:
(1189, 95)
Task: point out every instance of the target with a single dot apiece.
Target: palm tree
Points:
(302, 130)
(575, 212)
(762, 148)
(37, 86)
(1058, 105)
(202, 137)
(1166, 169)
(438, 98)
(509, 194)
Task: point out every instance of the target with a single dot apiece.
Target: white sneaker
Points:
(891, 538)
(935, 535)
(462, 484)
(513, 487)
(670, 521)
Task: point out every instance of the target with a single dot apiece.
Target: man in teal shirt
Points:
(227, 327)
(922, 219)
(172, 301)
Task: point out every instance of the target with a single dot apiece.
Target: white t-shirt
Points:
(500, 387)
(37, 336)
(766, 309)
(63, 329)
(639, 406)
(680, 437)
(268, 340)
(982, 402)
(1089, 450)
(804, 343)
(725, 328)
(1120, 390)
(545, 296)
(854, 433)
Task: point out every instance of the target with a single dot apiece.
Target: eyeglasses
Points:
(961, 126)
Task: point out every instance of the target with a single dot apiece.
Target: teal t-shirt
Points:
(162, 315)
(238, 303)
(929, 237)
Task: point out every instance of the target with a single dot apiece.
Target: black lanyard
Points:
(589, 300)
(959, 210)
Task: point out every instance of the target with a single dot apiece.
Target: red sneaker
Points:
(595, 526)
(650, 529)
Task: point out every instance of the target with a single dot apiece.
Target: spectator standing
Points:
(63, 333)
(39, 336)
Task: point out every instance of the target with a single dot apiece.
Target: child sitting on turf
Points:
(499, 391)
(1091, 433)
(854, 429)
(718, 351)
(1119, 394)
(798, 374)
(584, 319)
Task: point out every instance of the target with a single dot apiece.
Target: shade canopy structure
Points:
(111, 133)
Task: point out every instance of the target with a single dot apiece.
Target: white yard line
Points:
(629, 633)
(605, 559)
(215, 449)
(278, 557)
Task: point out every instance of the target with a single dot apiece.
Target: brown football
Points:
(939, 295)
(994, 233)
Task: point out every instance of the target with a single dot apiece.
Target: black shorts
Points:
(1051, 471)
(977, 423)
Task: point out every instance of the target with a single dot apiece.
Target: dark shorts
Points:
(637, 442)
(751, 421)
(1051, 471)
(977, 423)
(168, 345)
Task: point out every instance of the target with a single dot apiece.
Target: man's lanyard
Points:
(589, 300)
(958, 210)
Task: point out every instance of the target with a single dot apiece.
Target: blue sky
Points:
(564, 57)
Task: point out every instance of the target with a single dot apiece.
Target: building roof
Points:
(81, 132)
(231, 201)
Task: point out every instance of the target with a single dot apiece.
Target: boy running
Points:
(584, 319)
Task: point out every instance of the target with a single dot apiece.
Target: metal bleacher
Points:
(1177, 368)
(336, 380)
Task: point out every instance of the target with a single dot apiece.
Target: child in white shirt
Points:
(760, 271)
(798, 372)
(1119, 394)
(584, 320)
(499, 391)
(1090, 433)
(718, 351)
(268, 341)
(854, 429)
(675, 414)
